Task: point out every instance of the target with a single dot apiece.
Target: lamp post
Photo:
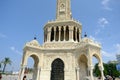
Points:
(110, 72)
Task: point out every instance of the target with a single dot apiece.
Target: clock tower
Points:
(64, 55)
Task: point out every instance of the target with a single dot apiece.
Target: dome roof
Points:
(87, 40)
(34, 43)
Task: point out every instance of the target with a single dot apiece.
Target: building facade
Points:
(64, 55)
(118, 58)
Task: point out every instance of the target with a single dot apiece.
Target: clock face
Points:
(62, 7)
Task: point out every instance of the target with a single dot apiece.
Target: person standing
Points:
(0, 76)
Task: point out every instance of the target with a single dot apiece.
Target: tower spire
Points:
(63, 10)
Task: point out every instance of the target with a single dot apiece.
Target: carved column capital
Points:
(76, 29)
(70, 28)
(54, 28)
(77, 68)
(64, 28)
(91, 67)
(49, 30)
(59, 28)
(23, 66)
(101, 68)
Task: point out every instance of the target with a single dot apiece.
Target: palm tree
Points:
(0, 66)
(5, 62)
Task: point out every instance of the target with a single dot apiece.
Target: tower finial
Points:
(85, 34)
(35, 37)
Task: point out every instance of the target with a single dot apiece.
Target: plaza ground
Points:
(29, 77)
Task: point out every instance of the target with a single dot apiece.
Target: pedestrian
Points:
(110, 78)
(0, 76)
(113, 78)
(106, 78)
(24, 78)
(99, 78)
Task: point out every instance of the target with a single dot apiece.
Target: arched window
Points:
(57, 72)
(34, 59)
(78, 35)
(45, 35)
(52, 34)
(96, 63)
(74, 34)
(62, 34)
(57, 34)
(67, 34)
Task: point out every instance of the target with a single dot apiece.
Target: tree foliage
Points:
(109, 69)
(96, 70)
(5, 62)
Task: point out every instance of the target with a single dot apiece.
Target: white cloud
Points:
(3, 35)
(105, 4)
(12, 48)
(15, 50)
(117, 46)
(95, 39)
(108, 55)
(112, 55)
(97, 31)
(102, 22)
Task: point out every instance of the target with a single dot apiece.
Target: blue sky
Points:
(21, 20)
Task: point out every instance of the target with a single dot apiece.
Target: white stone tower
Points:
(64, 54)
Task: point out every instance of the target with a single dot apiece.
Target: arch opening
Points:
(32, 67)
(62, 33)
(57, 72)
(45, 35)
(67, 33)
(74, 32)
(96, 63)
(52, 34)
(57, 33)
(78, 35)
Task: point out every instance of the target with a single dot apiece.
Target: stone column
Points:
(78, 73)
(59, 33)
(80, 37)
(91, 72)
(49, 35)
(64, 33)
(38, 73)
(34, 76)
(102, 74)
(21, 74)
(76, 34)
(70, 33)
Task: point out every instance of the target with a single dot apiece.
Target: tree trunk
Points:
(4, 68)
